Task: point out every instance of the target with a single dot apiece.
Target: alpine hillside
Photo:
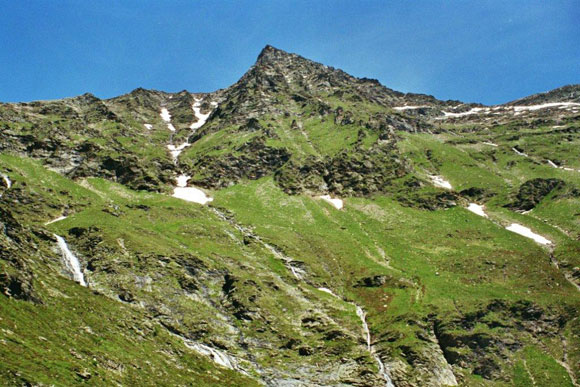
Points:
(302, 227)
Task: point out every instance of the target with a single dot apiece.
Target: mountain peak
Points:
(270, 53)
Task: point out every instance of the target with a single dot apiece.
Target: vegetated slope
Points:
(269, 283)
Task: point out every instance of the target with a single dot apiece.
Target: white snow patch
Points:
(71, 261)
(477, 209)
(148, 126)
(176, 150)
(182, 180)
(520, 153)
(337, 203)
(201, 118)
(564, 168)
(524, 231)
(190, 194)
(7, 181)
(463, 114)
(165, 116)
(561, 105)
(55, 220)
(327, 290)
(438, 181)
(490, 143)
(409, 107)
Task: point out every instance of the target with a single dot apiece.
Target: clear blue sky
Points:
(476, 51)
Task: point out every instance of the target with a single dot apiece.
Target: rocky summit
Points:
(302, 227)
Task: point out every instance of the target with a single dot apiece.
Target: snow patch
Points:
(490, 144)
(71, 261)
(400, 108)
(524, 231)
(477, 209)
(190, 194)
(561, 105)
(55, 220)
(201, 118)
(165, 116)
(467, 113)
(7, 181)
(148, 126)
(519, 153)
(328, 291)
(552, 164)
(176, 150)
(438, 181)
(337, 203)
(182, 180)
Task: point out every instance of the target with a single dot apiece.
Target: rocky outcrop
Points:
(251, 161)
(467, 344)
(16, 247)
(532, 192)
(346, 174)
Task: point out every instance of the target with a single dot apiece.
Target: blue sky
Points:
(475, 51)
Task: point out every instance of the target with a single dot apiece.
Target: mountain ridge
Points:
(302, 227)
(269, 52)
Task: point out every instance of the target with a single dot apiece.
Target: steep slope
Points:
(568, 93)
(407, 273)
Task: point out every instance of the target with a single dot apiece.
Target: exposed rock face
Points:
(479, 351)
(344, 174)
(532, 192)
(255, 160)
(17, 277)
(569, 93)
